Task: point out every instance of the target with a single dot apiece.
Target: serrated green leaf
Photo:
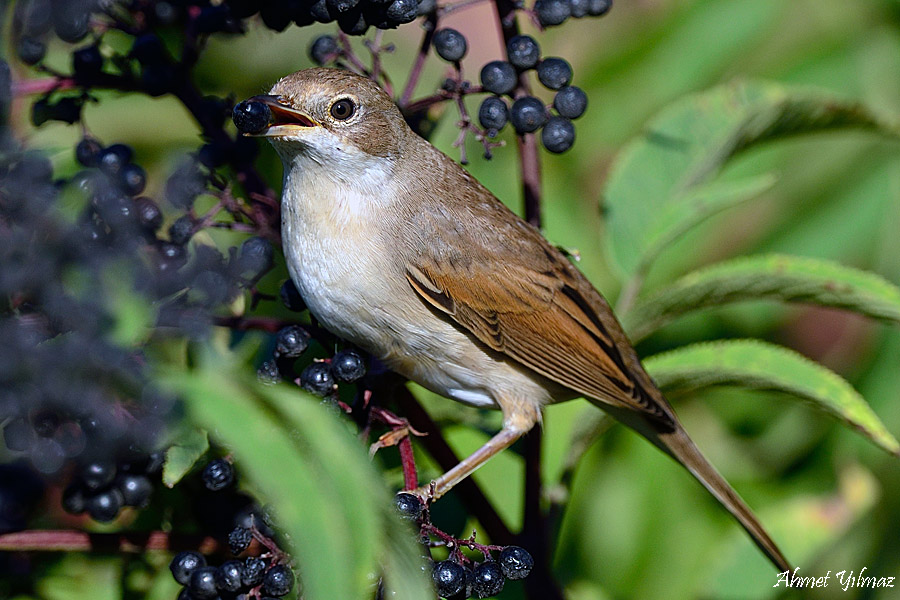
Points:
(757, 364)
(767, 277)
(688, 144)
(327, 497)
(184, 452)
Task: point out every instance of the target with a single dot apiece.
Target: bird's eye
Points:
(343, 109)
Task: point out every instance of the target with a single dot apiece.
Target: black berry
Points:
(324, 49)
(87, 151)
(552, 12)
(558, 134)
(105, 505)
(31, 50)
(251, 117)
(493, 113)
(317, 378)
(149, 214)
(402, 11)
(516, 562)
(449, 44)
(203, 583)
(291, 342)
(449, 578)
(348, 366)
(528, 114)
(136, 489)
(228, 576)
(252, 571)
(487, 579)
(257, 256)
(113, 158)
(184, 564)
(598, 8)
(579, 8)
(290, 297)
(570, 102)
(409, 505)
(523, 52)
(181, 230)
(268, 373)
(498, 77)
(97, 474)
(278, 581)
(217, 475)
(239, 540)
(133, 179)
(73, 500)
(554, 73)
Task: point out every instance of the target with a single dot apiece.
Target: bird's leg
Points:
(516, 424)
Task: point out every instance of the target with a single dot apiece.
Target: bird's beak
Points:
(285, 119)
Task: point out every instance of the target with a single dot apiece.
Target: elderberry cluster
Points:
(251, 577)
(527, 113)
(459, 577)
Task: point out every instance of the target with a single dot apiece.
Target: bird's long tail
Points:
(677, 444)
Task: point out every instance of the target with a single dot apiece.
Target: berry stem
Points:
(408, 460)
(66, 540)
(429, 25)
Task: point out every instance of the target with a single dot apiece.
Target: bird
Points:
(397, 249)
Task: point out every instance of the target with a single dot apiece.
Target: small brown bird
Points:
(396, 248)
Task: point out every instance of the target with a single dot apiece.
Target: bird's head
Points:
(338, 119)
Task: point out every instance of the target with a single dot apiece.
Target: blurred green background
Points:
(636, 525)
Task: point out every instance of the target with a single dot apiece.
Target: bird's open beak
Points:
(285, 120)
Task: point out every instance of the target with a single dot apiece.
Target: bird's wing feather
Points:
(539, 310)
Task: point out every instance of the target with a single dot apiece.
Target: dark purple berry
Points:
(341, 6)
(527, 114)
(498, 77)
(291, 342)
(257, 256)
(87, 151)
(348, 366)
(148, 49)
(239, 540)
(73, 500)
(114, 158)
(252, 571)
(149, 214)
(133, 179)
(449, 578)
(552, 12)
(402, 11)
(579, 8)
(408, 505)
(250, 116)
(523, 52)
(105, 505)
(324, 49)
(598, 8)
(493, 113)
(487, 579)
(570, 102)
(184, 564)
(554, 73)
(228, 576)
(558, 134)
(97, 474)
(268, 373)
(31, 50)
(203, 583)
(18, 435)
(317, 379)
(136, 489)
(449, 44)
(181, 230)
(290, 297)
(278, 581)
(516, 562)
(217, 475)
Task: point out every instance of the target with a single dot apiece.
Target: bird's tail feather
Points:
(677, 444)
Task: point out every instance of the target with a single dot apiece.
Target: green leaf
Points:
(757, 364)
(327, 497)
(184, 452)
(767, 277)
(687, 145)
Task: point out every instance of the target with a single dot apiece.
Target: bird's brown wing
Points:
(536, 308)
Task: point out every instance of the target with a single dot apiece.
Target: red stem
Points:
(62, 540)
(430, 25)
(408, 460)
